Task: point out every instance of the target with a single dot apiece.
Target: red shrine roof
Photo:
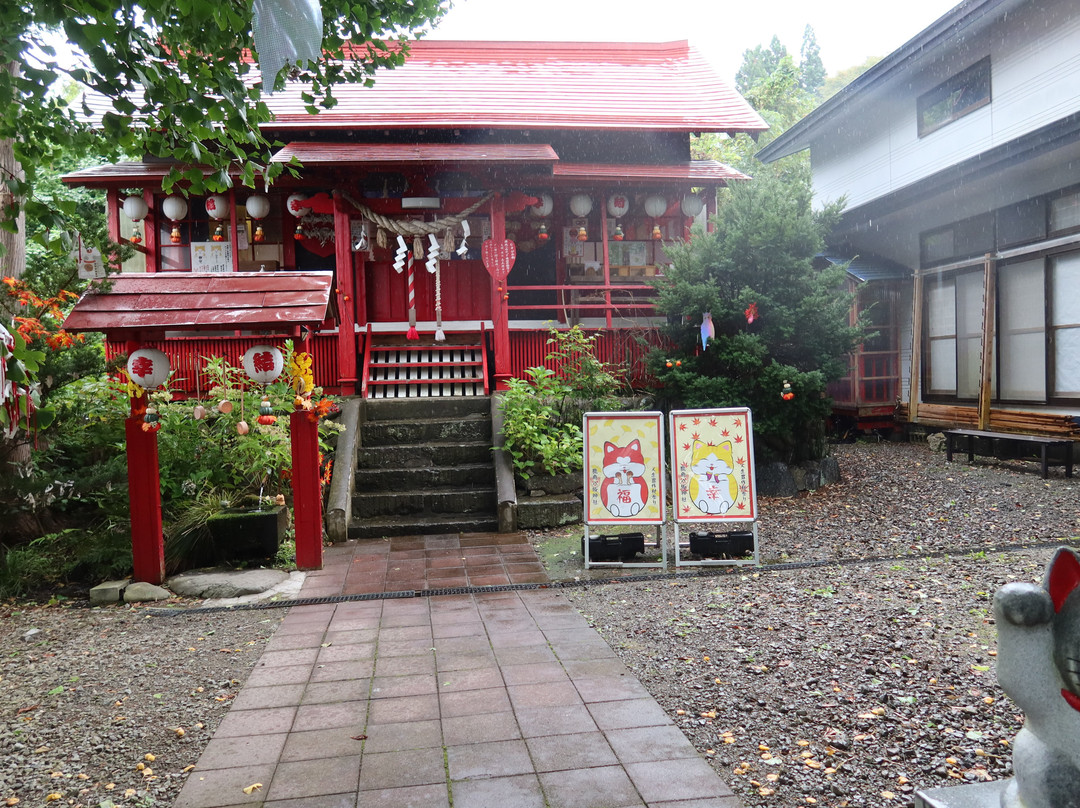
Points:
(193, 301)
(372, 155)
(447, 84)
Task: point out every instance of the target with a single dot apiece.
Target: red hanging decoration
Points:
(787, 394)
(412, 333)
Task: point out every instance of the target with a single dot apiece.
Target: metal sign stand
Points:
(713, 482)
(624, 478)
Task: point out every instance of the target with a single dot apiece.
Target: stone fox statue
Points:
(1039, 668)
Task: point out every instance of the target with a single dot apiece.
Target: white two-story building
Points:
(959, 156)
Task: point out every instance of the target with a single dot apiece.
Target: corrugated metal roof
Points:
(368, 154)
(869, 269)
(704, 171)
(193, 301)
(534, 85)
(123, 175)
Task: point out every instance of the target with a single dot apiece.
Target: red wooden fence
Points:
(623, 348)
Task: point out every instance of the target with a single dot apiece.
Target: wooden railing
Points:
(623, 348)
(576, 301)
(187, 362)
(874, 379)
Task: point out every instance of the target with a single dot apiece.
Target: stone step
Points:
(468, 428)
(419, 455)
(422, 524)
(415, 409)
(427, 477)
(552, 510)
(401, 503)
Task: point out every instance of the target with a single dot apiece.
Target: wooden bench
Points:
(967, 439)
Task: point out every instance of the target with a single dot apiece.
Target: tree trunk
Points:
(12, 245)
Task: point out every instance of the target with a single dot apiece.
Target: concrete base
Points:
(548, 511)
(108, 592)
(976, 795)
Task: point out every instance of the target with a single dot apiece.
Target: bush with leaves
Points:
(776, 318)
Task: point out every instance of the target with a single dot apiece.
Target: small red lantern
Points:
(542, 233)
(219, 234)
(259, 234)
(618, 234)
(174, 236)
(656, 234)
(298, 234)
(787, 393)
(582, 235)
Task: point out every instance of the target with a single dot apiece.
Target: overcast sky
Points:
(847, 31)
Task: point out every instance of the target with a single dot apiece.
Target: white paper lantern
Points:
(655, 206)
(618, 205)
(257, 206)
(217, 206)
(542, 209)
(263, 363)
(174, 208)
(692, 205)
(295, 205)
(580, 205)
(148, 367)
(135, 208)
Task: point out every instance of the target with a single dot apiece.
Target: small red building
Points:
(566, 163)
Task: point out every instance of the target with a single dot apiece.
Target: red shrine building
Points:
(441, 222)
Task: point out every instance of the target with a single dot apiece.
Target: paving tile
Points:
(520, 791)
(323, 743)
(453, 561)
(711, 802)
(345, 653)
(493, 567)
(537, 721)
(579, 751)
(383, 687)
(295, 656)
(256, 722)
(520, 637)
(403, 736)
(533, 673)
(314, 778)
(432, 796)
(338, 690)
(338, 635)
(609, 688)
(391, 648)
(226, 753)
(642, 744)
(206, 789)
(541, 694)
(286, 675)
(404, 665)
(465, 628)
(252, 698)
(328, 716)
(480, 728)
(410, 767)
(333, 671)
(475, 679)
(528, 577)
(477, 641)
(484, 760)
(464, 660)
(628, 713)
(474, 702)
(325, 801)
(671, 780)
(288, 642)
(590, 788)
(405, 633)
(456, 582)
(576, 668)
(489, 580)
(526, 655)
(408, 708)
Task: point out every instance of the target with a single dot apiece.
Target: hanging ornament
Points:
(382, 240)
(542, 209)
(707, 329)
(434, 247)
(219, 234)
(242, 427)
(148, 367)
(151, 419)
(135, 208)
(412, 333)
(618, 205)
(175, 208)
(751, 313)
(257, 206)
(174, 236)
(463, 250)
(199, 412)
(440, 335)
(259, 235)
(298, 233)
(582, 234)
(263, 363)
(691, 205)
(656, 234)
(787, 394)
(400, 254)
(295, 205)
(542, 233)
(217, 206)
(581, 205)
(136, 236)
(266, 412)
(618, 234)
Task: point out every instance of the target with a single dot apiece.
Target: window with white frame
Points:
(1065, 326)
(1021, 331)
(954, 334)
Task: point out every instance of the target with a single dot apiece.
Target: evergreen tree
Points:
(810, 65)
(758, 64)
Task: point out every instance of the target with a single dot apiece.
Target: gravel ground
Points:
(836, 684)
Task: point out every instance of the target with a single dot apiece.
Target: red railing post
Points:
(307, 492)
(144, 498)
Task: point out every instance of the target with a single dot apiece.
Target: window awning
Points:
(350, 155)
(868, 269)
(203, 301)
(703, 172)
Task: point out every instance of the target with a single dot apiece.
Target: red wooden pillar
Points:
(144, 498)
(307, 493)
(499, 314)
(343, 258)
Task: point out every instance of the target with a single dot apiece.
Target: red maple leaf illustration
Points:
(682, 427)
(686, 509)
(738, 422)
(695, 436)
(741, 506)
(740, 460)
(712, 422)
(725, 433)
(738, 438)
(697, 421)
(686, 446)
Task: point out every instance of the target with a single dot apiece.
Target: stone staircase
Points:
(424, 466)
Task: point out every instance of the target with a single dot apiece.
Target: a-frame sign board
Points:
(713, 483)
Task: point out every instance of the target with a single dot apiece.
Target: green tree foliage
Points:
(758, 64)
(810, 65)
(171, 78)
(841, 79)
(776, 318)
